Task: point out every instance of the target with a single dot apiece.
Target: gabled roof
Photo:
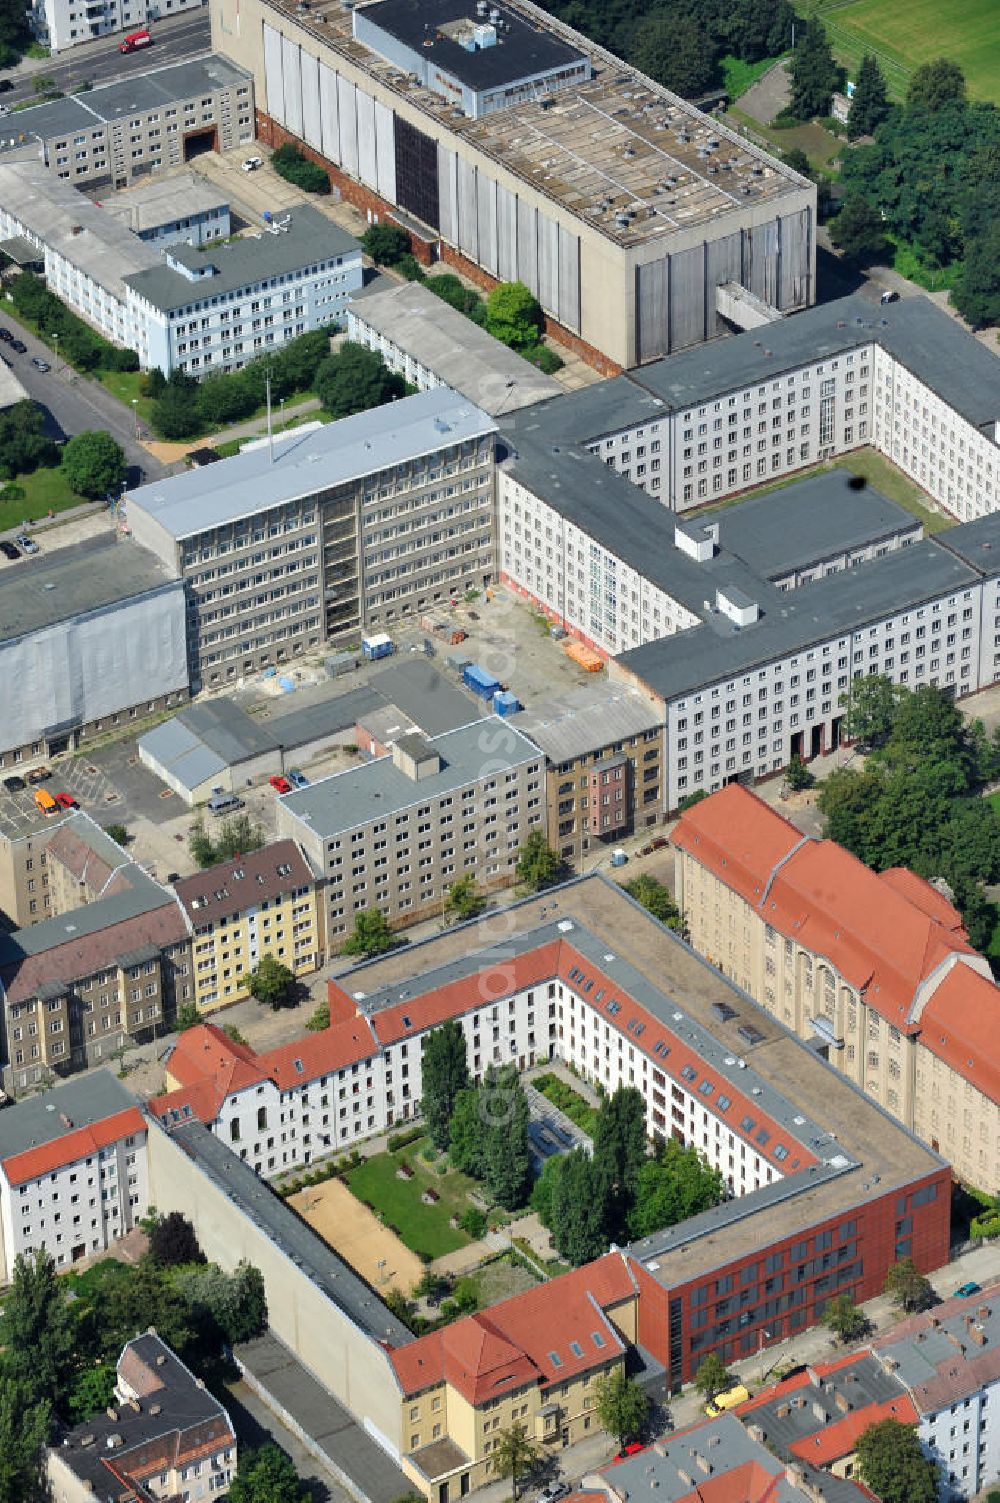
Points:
(840, 1439)
(20, 1168)
(243, 882)
(738, 837)
(960, 1024)
(548, 1334)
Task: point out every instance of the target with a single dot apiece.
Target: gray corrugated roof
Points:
(863, 1381)
(176, 748)
(846, 602)
(143, 895)
(585, 415)
(72, 581)
(459, 352)
(84, 1100)
(333, 454)
(226, 729)
(565, 729)
(290, 1235)
(377, 789)
(310, 237)
(918, 333)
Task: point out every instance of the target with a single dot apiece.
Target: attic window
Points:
(723, 1103)
(406, 1021)
(689, 1072)
(221, 892)
(597, 1339)
(781, 1152)
(614, 1008)
(598, 995)
(239, 874)
(284, 870)
(298, 1065)
(576, 1349)
(706, 1088)
(723, 1011)
(747, 1124)
(763, 1137)
(260, 878)
(662, 1049)
(555, 1359)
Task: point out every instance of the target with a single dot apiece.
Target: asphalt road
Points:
(73, 402)
(175, 38)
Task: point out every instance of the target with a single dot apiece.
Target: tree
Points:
(538, 865)
(506, 1152)
(25, 1426)
(464, 900)
(936, 84)
(654, 896)
(187, 1017)
(453, 291)
(270, 982)
(859, 232)
(466, 1134)
(385, 243)
(118, 833)
(36, 1330)
(173, 1240)
(798, 776)
(177, 411)
(133, 1300)
(679, 1182)
(619, 1154)
(910, 1290)
(290, 163)
(796, 159)
(320, 1019)
(577, 1214)
(444, 1074)
(677, 51)
(815, 75)
(92, 1391)
(544, 1190)
(870, 100)
(712, 1376)
(514, 315)
(237, 835)
(266, 1476)
(354, 380)
(513, 1455)
(976, 293)
(892, 1463)
(200, 845)
(23, 443)
(871, 708)
(844, 1319)
(371, 934)
(233, 1306)
(622, 1407)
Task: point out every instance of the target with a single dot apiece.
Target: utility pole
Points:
(270, 435)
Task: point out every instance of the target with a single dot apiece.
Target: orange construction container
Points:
(586, 656)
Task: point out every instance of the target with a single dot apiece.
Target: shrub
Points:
(473, 1222)
(545, 358)
(387, 244)
(289, 163)
(403, 1139)
(410, 268)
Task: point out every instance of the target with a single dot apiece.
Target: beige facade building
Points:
(395, 833)
(263, 903)
(25, 889)
(875, 969)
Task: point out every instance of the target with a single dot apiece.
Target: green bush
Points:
(473, 1223)
(410, 268)
(985, 1228)
(545, 358)
(78, 343)
(289, 163)
(397, 1140)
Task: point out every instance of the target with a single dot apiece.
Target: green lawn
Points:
(126, 386)
(424, 1228)
(905, 33)
(906, 261)
(45, 491)
(575, 1106)
(737, 76)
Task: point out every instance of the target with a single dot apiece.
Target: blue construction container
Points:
(479, 681)
(376, 647)
(505, 703)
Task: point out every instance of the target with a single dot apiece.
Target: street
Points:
(175, 38)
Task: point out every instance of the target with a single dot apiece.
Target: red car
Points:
(66, 801)
(280, 784)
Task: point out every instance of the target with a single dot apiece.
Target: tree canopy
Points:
(814, 73)
(94, 464)
(173, 1240)
(514, 315)
(654, 896)
(444, 1074)
(622, 1406)
(677, 51)
(266, 1476)
(355, 379)
(909, 1289)
(371, 934)
(271, 982)
(23, 442)
(870, 100)
(385, 243)
(538, 865)
(892, 1463)
(858, 231)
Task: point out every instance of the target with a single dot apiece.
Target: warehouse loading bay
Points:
(505, 636)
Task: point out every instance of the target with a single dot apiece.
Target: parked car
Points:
(28, 544)
(66, 801)
(553, 1492)
(8, 549)
(250, 164)
(39, 363)
(654, 845)
(5, 85)
(19, 347)
(5, 336)
(280, 784)
(967, 1290)
(39, 774)
(298, 779)
(14, 784)
(633, 1448)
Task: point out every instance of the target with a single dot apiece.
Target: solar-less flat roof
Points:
(195, 502)
(520, 50)
(74, 581)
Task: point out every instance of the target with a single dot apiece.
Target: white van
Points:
(225, 803)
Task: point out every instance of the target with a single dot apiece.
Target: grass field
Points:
(905, 33)
(44, 491)
(424, 1228)
(737, 76)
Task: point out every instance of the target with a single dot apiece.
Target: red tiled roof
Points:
(840, 1438)
(926, 896)
(523, 1339)
(458, 997)
(960, 1024)
(74, 1145)
(320, 1053)
(206, 1052)
(259, 877)
(737, 836)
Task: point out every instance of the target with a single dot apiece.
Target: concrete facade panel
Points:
(367, 165)
(274, 86)
(329, 113)
(312, 128)
(292, 82)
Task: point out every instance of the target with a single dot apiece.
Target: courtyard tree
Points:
(319, 1019)
(619, 1154)
(892, 1463)
(815, 74)
(36, 1330)
(173, 1240)
(538, 865)
(798, 776)
(654, 896)
(909, 1289)
(93, 1390)
(266, 1476)
(466, 1133)
(859, 231)
(676, 1183)
(93, 464)
(464, 900)
(871, 703)
(513, 1456)
(25, 1424)
(371, 934)
(385, 243)
(506, 1152)
(355, 379)
(844, 1319)
(712, 1376)
(444, 1074)
(514, 315)
(270, 982)
(187, 1017)
(622, 1407)
(237, 835)
(577, 1220)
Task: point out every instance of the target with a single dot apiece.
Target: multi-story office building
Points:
(120, 131)
(206, 309)
(262, 903)
(163, 1436)
(395, 833)
(73, 1173)
(355, 525)
(177, 207)
(875, 969)
(91, 637)
(622, 207)
(603, 767)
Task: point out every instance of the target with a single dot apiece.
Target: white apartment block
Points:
(394, 833)
(61, 24)
(73, 1171)
(356, 525)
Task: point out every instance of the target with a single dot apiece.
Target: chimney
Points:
(154, 1408)
(702, 1463)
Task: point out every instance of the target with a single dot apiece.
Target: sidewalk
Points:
(172, 453)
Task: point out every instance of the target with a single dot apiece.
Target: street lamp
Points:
(55, 341)
(135, 414)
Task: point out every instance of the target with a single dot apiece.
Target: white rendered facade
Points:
(61, 24)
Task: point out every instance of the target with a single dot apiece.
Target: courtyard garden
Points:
(417, 1193)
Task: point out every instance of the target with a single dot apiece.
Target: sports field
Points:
(905, 33)
(351, 1229)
